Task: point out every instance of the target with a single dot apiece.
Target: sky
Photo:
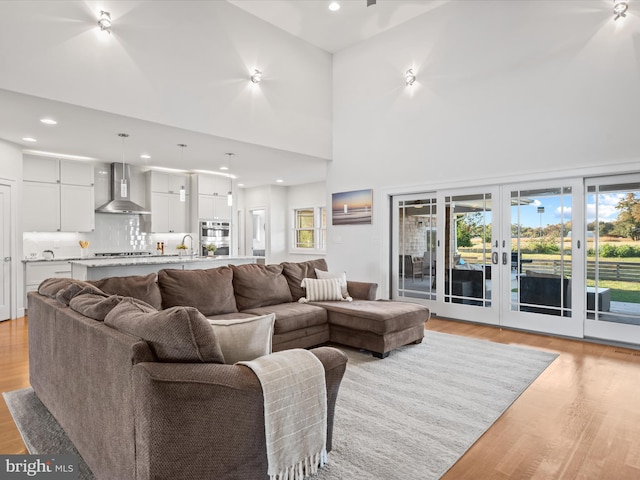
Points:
(553, 209)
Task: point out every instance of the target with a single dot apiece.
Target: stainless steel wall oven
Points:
(215, 232)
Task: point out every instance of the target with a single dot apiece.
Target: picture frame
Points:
(352, 208)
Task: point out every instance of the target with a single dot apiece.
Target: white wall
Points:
(505, 89)
(209, 48)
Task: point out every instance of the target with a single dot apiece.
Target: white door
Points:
(542, 257)
(612, 290)
(444, 254)
(5, 252)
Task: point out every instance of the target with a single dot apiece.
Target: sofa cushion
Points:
(142, 287)
(259, 285)
(295, 272)
(178, 334)
(94, 306)
(293, 316)
(379, 316)
(210, 291)
(65, 295)
(244, 339)
(51, 286)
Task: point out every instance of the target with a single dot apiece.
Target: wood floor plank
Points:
(578, 420)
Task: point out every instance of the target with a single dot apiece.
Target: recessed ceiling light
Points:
(334, 6)
(279, 180)
(224, 168)
(29, 139)
(241, 184)
(145, 156)
(48, 121)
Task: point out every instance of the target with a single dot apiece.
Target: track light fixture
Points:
(256, 77)
(409, 77)
(620, 8)
(104, 22)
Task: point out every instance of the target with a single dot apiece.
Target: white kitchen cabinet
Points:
(213, 207)
(212, 197)
(168, 182)
(41, 207)
(77, 211)
(76, 173)
(41, 169)
(58, 196)
(168, 213)
(36, 272)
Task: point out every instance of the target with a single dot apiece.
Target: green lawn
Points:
(620, 291)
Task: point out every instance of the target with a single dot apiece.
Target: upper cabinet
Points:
(58, 195)
(169, 206)
(211, 199)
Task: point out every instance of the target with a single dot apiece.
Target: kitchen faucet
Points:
(191, 252)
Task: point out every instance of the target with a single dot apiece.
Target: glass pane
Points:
(304, 218)
(304, 239)
(468, 249)
(417, 248)
(541, 251)
(613, 253)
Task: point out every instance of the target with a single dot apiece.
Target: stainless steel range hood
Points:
(120, 202)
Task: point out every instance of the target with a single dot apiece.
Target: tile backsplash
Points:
(113, 233)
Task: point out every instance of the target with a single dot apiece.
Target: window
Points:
(310, 228)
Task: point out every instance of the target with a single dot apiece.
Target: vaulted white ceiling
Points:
(177, 72)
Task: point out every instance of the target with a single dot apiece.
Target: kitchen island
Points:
(97, 268)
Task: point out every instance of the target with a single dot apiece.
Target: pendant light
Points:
(183, 192)
(123, 181)
(230, 194)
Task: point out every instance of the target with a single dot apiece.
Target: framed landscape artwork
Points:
(352, 208)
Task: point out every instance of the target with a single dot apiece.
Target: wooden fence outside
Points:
(607, 270)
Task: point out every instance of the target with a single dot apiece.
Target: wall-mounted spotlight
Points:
(104, 22)
(620, 8)
(256, 77)
(409, 77)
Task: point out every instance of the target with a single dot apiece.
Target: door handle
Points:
(504, 258)
(494, 258)
(7, 259)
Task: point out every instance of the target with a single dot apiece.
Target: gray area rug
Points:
(410, 416)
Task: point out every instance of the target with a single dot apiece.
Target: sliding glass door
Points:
(612, 292)
(415, 229)
(542, 236)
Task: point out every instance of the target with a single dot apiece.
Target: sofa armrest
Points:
(362, 290)
(211, 414)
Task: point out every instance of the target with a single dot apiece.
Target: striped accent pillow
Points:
(320, 290)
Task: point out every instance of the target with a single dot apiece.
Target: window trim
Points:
(319, 231)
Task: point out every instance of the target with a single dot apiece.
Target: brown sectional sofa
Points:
(137, 409)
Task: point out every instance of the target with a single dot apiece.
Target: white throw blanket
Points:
(295, 411)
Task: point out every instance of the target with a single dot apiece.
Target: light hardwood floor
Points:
(579, 420)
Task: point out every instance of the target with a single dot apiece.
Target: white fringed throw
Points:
(295, 411)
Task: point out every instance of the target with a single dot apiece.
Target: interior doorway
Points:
(5, 252)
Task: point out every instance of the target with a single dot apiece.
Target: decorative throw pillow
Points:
(244, 339)
(342, 276)
(51, 286)
(65, 295)
(178, 334)
(322, 290)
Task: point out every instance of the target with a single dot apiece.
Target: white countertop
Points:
(150, 260)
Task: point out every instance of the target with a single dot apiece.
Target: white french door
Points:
(507, 255)
(542, 259)
(613, 258)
